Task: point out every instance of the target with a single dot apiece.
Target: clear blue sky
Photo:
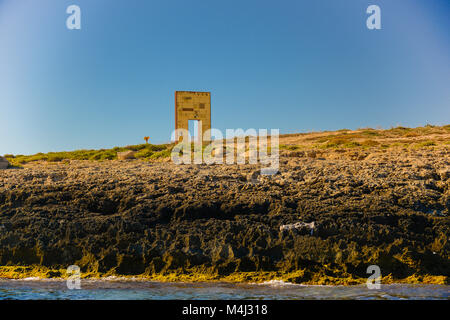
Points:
(293, 65)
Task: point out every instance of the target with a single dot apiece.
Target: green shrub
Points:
(136, 147)
(144, 153)
(161, 154)
(289, 147)
(369, 143)
(351, 144)
(426, 143)
(54, 158)
(370, 132)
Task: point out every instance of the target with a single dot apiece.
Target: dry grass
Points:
(427, 136)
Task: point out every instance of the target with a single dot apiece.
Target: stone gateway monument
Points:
(192, 105)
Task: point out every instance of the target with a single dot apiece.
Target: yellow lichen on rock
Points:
(38, 272)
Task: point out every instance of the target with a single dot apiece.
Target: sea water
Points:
(138, 290)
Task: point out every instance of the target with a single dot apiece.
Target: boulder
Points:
(298, 226)
(3, 163)
(125, 155)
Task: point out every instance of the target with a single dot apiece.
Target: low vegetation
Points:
(428, 136)
(143, 151)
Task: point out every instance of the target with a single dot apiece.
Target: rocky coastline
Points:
(323, 219)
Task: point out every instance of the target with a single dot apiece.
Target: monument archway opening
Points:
(195, 130)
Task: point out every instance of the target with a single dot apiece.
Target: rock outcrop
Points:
(126, 155)
(3, 163)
